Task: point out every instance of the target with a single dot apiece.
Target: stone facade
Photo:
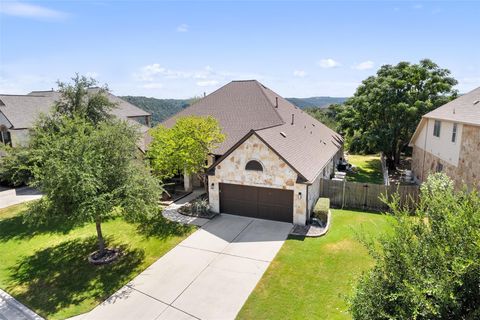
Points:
(276, 174)
(468, 169)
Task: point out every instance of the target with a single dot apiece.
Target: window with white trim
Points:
(436, 128)
(454, 133)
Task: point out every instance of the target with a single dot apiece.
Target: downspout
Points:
(424, 149)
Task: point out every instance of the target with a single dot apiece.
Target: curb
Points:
(12, 303)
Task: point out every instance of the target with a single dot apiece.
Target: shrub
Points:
(15, 167)
(428, 267)
(320, 211)
(200, 206)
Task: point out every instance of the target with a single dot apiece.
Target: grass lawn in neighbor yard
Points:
(369, 168)
(46, 268)
(311, 277)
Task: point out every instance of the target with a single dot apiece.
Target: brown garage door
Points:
(262, 203)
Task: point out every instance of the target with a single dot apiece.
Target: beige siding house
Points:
(448, 140)
(274, 155)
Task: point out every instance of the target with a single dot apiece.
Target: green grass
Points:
(310, 278)
(46, 267)
(369, 168)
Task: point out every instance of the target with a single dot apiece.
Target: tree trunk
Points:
(101, 241)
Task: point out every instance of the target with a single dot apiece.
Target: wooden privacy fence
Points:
(354, 195)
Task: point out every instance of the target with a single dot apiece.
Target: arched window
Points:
(254, 165)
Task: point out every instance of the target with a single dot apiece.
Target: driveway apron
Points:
(207, 276)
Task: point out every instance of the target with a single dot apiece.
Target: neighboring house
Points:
(18, 113)
(274, 155)
(448, 140)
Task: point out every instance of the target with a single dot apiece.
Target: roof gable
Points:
(211, 169)
(464, 109)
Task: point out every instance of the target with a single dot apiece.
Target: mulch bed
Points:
(185, 210)
(312, 230)
(109, 256)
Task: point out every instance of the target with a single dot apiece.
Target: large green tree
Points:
(86, 162)
(428, 267)
(386, 108)
(83, 97)
(183, 147)
(89, 173)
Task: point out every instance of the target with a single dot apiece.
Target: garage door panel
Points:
(238, 192)
(276, 197)
(243, 208)
(257, 202)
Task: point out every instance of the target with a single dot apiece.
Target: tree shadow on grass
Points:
(27, 224)
(162, 228)
(16, 228)
(60, 276)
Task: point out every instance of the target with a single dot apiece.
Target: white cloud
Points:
(152, 85)
(207, 83)
(150, 72)
(182, 28)
(418, 6)
(25, 10)
(154, 71)
(328, 63)
(299, 73)
(365, 65)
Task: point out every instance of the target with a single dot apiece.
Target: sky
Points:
(181, 49)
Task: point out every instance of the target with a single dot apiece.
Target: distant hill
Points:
(161, 109)
(316, 102)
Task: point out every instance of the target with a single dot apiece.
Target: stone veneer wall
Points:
(468, 170)
(276, 174)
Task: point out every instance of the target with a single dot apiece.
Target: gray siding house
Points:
(19, 112)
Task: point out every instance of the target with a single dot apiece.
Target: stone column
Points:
(187, 182)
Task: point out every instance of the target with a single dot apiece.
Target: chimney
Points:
(293, 119)
(204, 94)
(276, 102)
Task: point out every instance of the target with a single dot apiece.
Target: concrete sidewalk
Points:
(10, 197)
(11, 309)
(207, 276)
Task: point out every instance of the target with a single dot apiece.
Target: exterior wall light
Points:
(212, 186)
(299, 195)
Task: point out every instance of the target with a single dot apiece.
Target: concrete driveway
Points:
(208, 276)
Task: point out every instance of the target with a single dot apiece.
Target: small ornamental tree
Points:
(88, 173)
(429, 266)
(184, 147)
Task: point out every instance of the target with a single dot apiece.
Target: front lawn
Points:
(369, 168)
(46, 267)
(310, 278)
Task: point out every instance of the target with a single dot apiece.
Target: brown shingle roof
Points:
(464, 109)
(242, 106)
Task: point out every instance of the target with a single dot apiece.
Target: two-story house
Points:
(447, 139)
